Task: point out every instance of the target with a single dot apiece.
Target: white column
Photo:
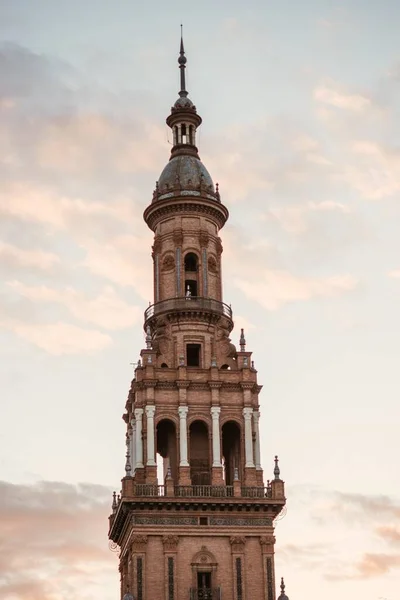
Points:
(133, 446)
(256, 417)
(215, 410)
(248, 436)
(183, 445)
(139, 442)
(150, 410)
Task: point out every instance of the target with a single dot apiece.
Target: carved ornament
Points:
(170, 543)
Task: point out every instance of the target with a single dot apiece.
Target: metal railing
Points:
(204, 491)
(192, 303)
(149, 490)
(205, 594)
(257, 492)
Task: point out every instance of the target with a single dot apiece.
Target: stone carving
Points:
(212, 265)
(241, 522)
(138, 543)
(165, 520)
(168, 263)
(204, 557)
(219, 246)
(170, 543)
(237, 543)
(267, 544)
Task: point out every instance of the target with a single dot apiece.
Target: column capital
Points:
(215, 410)
(138, 414)
(247, 412)
(133, 422)
(183, 411)
(256, 415)
(150, 410)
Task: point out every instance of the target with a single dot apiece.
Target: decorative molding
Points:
(241, 521)
(170, 543)
(155, 212)
(267, 544)
(165, 520)
(138, 543)
(168, 263)
(237, 543)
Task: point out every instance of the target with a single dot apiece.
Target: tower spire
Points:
(182, 66)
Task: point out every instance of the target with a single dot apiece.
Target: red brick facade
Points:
(204, 532)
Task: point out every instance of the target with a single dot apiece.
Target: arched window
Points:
(191, 275)
(191, 263)
(199, 454)
(231, 451)
(167, 449)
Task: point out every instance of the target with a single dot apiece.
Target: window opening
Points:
(191, 262)
(183, 132)
(193, 355)
(191, 288)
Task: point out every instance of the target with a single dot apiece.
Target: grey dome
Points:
(183, 102)
(189, 171)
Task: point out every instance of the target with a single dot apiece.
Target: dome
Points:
(188, 170)
(183, 102)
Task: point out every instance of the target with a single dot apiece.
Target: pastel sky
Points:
(301, 124)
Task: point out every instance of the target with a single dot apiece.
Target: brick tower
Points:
(205, 530)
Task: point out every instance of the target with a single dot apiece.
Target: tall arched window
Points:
(231, 451)
(199, 456)
(191, 275)
(167, 449)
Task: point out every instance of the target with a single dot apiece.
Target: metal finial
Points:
(277, 471)
(148, 338)
(182, 66)
(242, 341)
(114, 502)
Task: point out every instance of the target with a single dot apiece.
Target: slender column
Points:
(139, 442)
(183, 445)
(150, 410)
(248, 436)
(216, 443)
(133, 446)
(256, 417)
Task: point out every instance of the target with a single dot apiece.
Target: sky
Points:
(301, 122)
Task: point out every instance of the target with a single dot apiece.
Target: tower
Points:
(205, 531)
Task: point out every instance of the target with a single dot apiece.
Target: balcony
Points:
(146, 490)
(188, 305)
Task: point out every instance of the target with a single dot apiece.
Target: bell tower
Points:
(194, 519)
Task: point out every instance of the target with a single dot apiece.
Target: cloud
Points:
(297, 218)
(370, 565)
(14, 257)
(395, 274)
(107, 310)
(54, 541)
(58, 338)
(390, 534)
(331, 93)
(275, 288)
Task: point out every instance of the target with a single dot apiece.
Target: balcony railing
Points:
(204, 491)
(257, 492)
(205, 594)
(193, 303)
(150, 490)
